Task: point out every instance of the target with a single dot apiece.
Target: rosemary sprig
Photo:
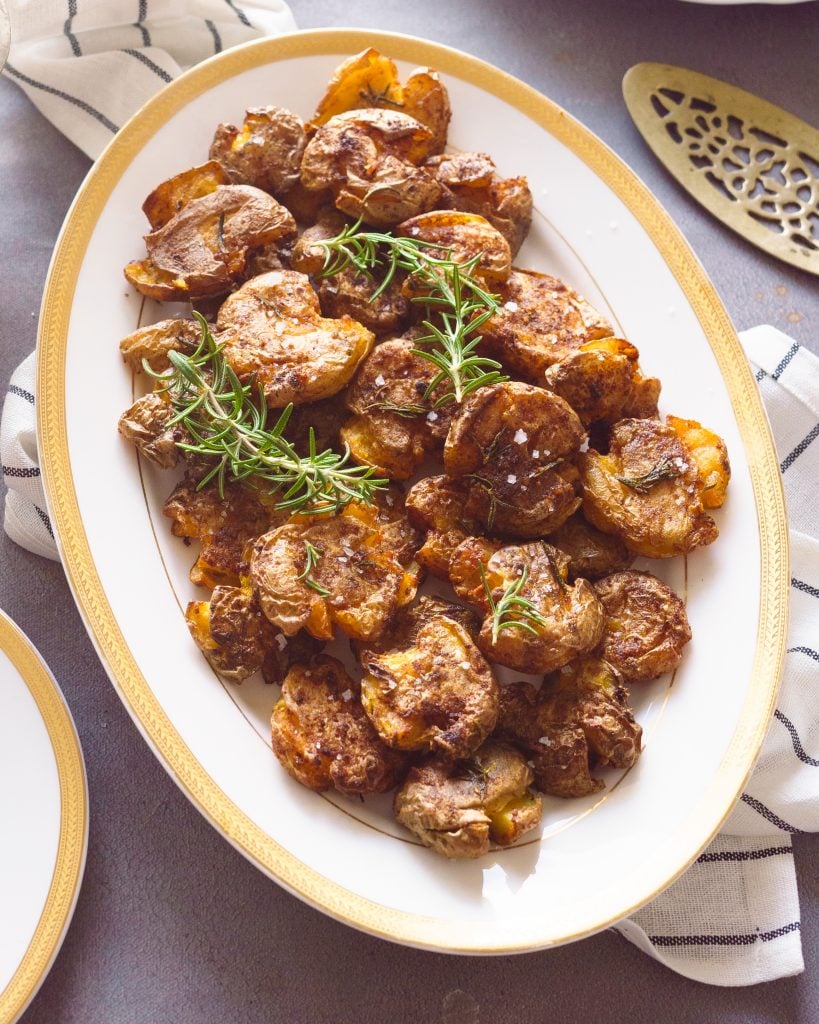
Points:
(375, 99)
(511, 611)
(228, 424)
(665, 469)
(445, 286)
(312, 555)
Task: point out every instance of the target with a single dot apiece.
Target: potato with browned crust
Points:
(352, 293)
(349, 581)
(224, 523)
(322, 736)
(540, 321)
(265, 152)
(433, 691)
(471, 183)
(459, 237)
(272, 329)
(602, 381)
(309, 256)
(516, 445)
(709, 454)
(647, 491)
(147, 425)
(168, 198)
(439, 505)
(564, 620)
(203, 249)
(593, 553)
(369, 160)
(154, 342)
(411, 619)
(646, 625)
(395, 426)
(238, 640)
(370, 79)
(579, 720)
(458, 810)
(388, 515)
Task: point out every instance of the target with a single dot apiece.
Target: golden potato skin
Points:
(168, 198)
(350, 293)
(460, 237)
(646, 625)
(321, 735)
(360, 585)
(146, 425)
(265, 152)
(371, 80)
(710, 456)
(436, 693)
(516, 444)
(593, 553)
(472, 184)
(602, 381)
(230, 631)
(646, 491)
(202, 250)
(272, 328)
(439, 506)
(577, 721)
(153, 343)
(540, 321)
(571, 614)
(457, 810)
(224, 525)
(369, 160)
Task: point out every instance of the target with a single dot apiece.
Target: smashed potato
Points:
(231, 632)
(708, 452)
(272, 328)
(472, 184)
(147, 425)
(322, 736)
(458, 810)
(566, 619)
(602, 381)
(646, 491)
(461, 237)
(153, 343)
(433, 691)
(577, 721)
(168, 198)
(646, 626)
(515, 444)
(224, 525)
(371, 80)
(439, 505)
(352, 581)
(592, 552)
(369, 160)
(203, 249)
(540, 322)
(265, 152)
(350, 293)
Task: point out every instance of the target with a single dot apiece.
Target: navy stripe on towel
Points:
(64, 96)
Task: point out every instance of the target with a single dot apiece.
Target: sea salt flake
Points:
(536, 453)
(464, 665)
(347, 695)
(432, 416)
(281, 640)
(511, 306)
(545, 741)
(521, 437)
(511, 479)
(391, 684)
(379, 380)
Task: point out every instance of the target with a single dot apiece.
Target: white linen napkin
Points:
(733, 917)
(63, 50)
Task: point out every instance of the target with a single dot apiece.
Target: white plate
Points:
(44, 807)
(597, 227)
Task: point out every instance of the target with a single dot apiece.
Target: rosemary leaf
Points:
(511, 611)
(664, 469)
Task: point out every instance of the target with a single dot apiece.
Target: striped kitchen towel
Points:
(733, 917)
(61, 50)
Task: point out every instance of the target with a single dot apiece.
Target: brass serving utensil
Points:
(750, 163)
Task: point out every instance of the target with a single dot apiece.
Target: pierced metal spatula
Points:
(750, 163)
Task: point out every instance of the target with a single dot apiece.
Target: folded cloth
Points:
(733, 917)
(61, 52)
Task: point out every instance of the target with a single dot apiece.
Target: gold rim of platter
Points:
(457, 936)
(73, 834)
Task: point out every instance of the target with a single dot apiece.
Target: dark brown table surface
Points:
(173, 925)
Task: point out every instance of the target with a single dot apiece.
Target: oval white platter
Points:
(597, 227)
(44, 803)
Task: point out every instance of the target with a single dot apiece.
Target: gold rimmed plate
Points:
(44, 802)
(597, 227)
